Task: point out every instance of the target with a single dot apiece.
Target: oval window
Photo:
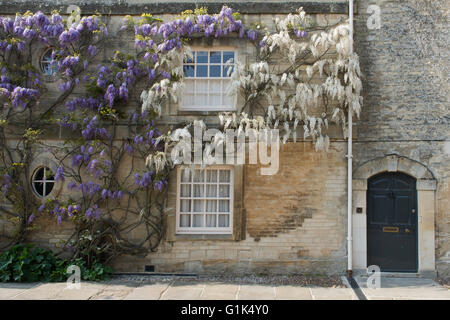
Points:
(43, 181)
(48, 66)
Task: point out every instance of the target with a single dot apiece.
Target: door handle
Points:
(413, 210)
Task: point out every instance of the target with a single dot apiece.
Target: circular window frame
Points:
(45, 182)
(45, 159)
(46, 77)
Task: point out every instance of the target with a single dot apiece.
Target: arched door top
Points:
(393, 163)
(382, 180)
(425, 179)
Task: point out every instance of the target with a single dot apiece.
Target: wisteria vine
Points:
(104, 129)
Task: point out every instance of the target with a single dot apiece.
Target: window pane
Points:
(224, 205)
(224, 176)
(201, 99)
(185, 190)
(188, 59)
(48, 188)
(202, 56)
(227, 55)
(227, 71)
(215, 86)
(47, 63)
(211, 206)
(199, 176)
(202, 71)
(189, 86)
(185, 220)
(198, 220)
(186, 175)
(224, 190)
(202, 86)
(189, 71)
(189, 99)
(39, 187)
(199, 205)
(224, 220)
(211, 191)
(214, 71)
(211, 220)
(214, 100)
(39, 174)
(198, 191)
(214, 56)
(211, 176)
(48, 174)
(185, 205)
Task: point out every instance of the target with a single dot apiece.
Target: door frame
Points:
(425, 188)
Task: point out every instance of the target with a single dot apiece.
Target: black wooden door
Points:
(392, 222)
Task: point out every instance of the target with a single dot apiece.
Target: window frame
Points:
(42, 62)
(207, 108)
(205, 230)
(44, 181)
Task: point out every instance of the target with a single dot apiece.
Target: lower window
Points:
(205, 200)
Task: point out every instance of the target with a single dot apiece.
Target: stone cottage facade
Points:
(296, 221)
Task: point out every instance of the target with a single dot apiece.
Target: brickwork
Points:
(297, 226)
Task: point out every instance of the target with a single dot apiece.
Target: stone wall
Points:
(295, 222)
(406, 92)
(291, 222)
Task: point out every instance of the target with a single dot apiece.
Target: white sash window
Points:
(206, 78)
(205, 200)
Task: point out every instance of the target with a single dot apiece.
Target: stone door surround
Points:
(426, 188)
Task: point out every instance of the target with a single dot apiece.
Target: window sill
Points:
(203, 112)
(190, 237)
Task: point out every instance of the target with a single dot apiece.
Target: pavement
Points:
(392, 288)
(403, 288)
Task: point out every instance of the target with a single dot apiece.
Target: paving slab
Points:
(256, 292)
(11, 290)
(43, 291)
(220, 291)
(391, 289)
(183, 291)
(332, 294)
(115, 291)
(148, 291)
(86, 291)
(404, 288)
(292, 293)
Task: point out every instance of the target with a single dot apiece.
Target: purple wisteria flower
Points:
(300, 33)
(128, 148)
(5, 182)
(252, 34)
(59, 176)
(73, 209)
(145, 180)
(72, 185)
(93, 212)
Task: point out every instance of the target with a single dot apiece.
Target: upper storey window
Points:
(48, 66)
(207, 76)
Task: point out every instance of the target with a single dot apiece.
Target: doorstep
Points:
(422, 274)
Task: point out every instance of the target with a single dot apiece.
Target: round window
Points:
(43, 181)
(47, 63)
